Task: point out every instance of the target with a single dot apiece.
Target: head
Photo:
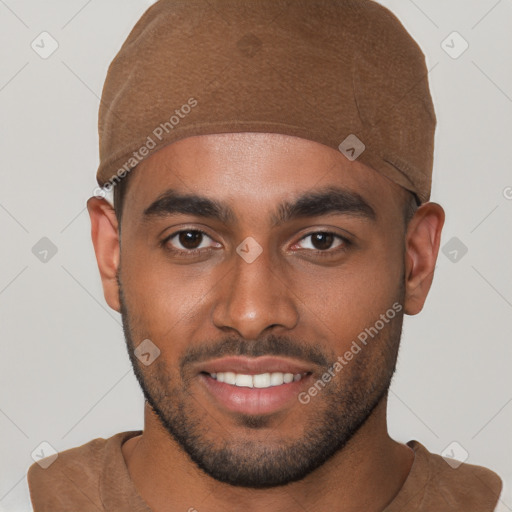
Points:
(249, 229)
(345, 253)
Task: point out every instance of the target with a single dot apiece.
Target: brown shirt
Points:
(94, 477)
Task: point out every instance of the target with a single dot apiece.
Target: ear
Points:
(421, 248)
(105, 238)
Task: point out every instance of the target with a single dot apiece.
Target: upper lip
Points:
(254, 365)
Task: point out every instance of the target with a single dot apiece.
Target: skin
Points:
(287, 292)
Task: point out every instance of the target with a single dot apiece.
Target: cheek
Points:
(165, 301)
(344, 301)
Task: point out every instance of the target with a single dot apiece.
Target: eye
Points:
(187, 241)
(190, 242)
(322, 241)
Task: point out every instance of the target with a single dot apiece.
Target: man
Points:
(271, 165)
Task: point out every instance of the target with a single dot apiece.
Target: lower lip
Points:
(254, 400)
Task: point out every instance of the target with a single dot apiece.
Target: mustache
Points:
(269, 346)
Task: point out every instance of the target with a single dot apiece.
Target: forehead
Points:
(251, 172)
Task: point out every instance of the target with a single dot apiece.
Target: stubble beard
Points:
(340, 410)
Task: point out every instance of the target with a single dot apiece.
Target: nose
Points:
(254, 297)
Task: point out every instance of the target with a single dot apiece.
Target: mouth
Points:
(254, 385)
(261, 380)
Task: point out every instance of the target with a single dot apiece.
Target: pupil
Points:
(189, 238)
(326, 243)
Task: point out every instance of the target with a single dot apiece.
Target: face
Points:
(313, 281)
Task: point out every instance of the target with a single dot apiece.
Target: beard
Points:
(340, 409)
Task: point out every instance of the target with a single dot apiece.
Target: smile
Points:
(253, 400)
(261, 380)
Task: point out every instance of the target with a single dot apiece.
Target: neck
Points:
(365, 475)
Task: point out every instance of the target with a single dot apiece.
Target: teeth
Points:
(229, 377)
(276, 379)
(243, 380)
(262, 380)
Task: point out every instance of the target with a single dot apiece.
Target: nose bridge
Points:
(255, 296)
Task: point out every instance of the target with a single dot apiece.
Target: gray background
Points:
(65, 377)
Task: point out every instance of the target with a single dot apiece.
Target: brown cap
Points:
(344, 73)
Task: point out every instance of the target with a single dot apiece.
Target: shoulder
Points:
(72, 480)
(505, 501)
(460, 486)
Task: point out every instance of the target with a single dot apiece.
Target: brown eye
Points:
(190, 239)
(323, 241)
(187, 241)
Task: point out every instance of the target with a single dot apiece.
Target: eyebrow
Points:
(329, 200)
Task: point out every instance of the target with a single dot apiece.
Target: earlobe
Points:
(105, 238)
(421, 249)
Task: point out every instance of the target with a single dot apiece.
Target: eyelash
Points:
(194, 252)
